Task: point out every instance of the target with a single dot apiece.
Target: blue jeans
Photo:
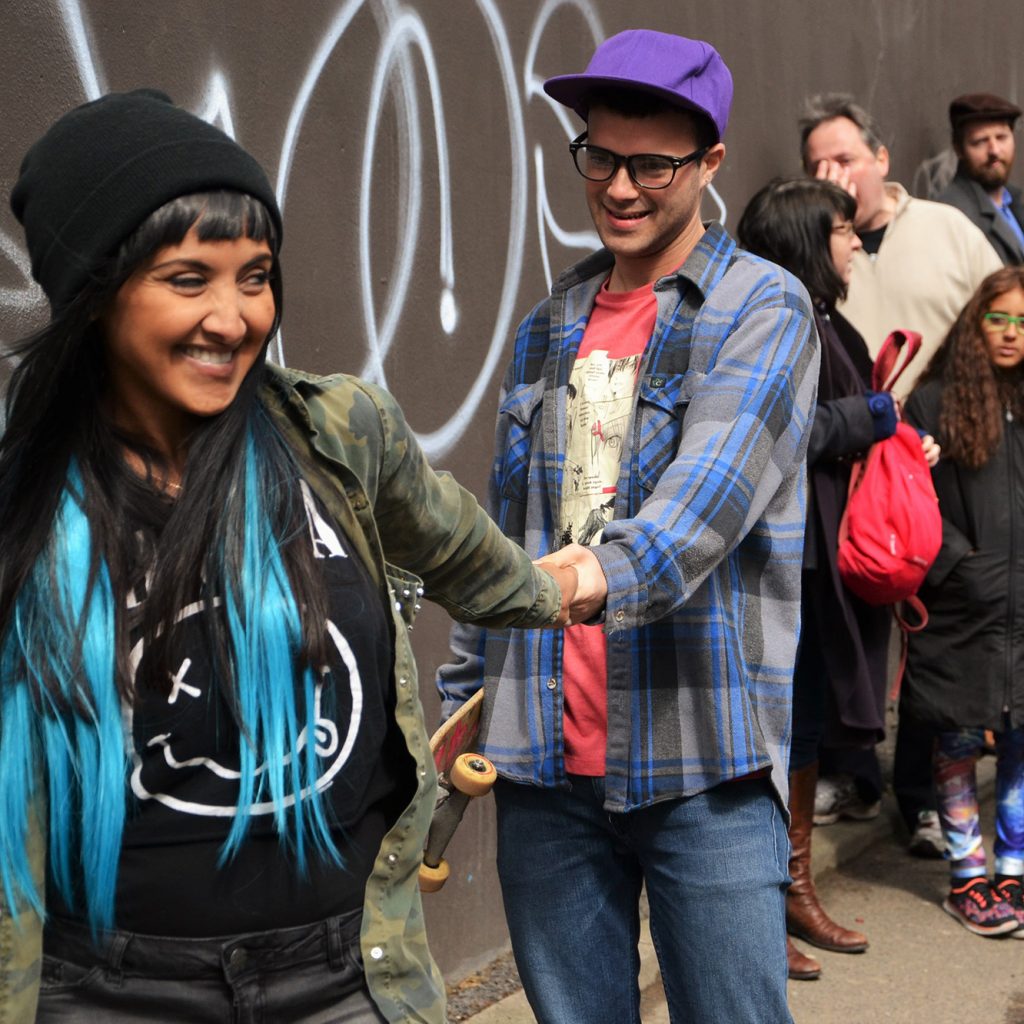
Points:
(715, 867)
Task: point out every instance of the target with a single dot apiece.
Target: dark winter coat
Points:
(970, 198)
(967, 667)
(852, 636)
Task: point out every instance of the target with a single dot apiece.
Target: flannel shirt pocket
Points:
(661, 403)
(521, 414)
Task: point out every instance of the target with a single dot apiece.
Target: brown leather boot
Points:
(801, 967)
(804, 915)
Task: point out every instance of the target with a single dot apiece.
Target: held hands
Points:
(584, 588)
(567, 579)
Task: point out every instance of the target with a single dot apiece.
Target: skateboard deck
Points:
(461, 775)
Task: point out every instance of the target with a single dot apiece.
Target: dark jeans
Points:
(715, 867)
(861, 763)
(810, 694)
(912, 779)
(312, 974)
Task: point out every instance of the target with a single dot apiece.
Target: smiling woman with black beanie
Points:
(208, 703)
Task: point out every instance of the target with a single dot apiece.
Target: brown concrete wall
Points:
(427, 190)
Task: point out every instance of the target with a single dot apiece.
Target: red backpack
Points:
(891, 530)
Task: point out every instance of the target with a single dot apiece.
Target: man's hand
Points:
(832, 170)
(588, 595)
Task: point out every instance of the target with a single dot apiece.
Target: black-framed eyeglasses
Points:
(647, 170)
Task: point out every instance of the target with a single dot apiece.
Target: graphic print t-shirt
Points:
(184, 776)
(601, 392)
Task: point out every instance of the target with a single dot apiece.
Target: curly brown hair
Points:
(975, 393)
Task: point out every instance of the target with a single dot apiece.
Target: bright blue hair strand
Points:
(75, 731)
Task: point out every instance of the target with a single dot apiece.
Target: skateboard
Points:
(461, 775)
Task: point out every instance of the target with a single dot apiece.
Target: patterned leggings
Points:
(956, 754)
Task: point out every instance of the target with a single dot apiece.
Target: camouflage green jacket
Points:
(415, 529)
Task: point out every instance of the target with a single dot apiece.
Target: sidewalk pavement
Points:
(832, 846)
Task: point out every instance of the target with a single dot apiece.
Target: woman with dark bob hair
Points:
(213, 748)
(806, 226)
(965, 670)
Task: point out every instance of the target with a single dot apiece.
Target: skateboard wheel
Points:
(472, 774)
(432, 879)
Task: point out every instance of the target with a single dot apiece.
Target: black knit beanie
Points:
(104, 167)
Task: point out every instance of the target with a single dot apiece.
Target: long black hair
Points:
(85, 536)
(789, 222)
(54, 413)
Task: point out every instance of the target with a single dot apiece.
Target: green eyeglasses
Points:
(1000, 321)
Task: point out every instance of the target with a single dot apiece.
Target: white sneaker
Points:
(836, 796)
(927, 840)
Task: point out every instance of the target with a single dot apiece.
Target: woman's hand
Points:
(585, 580)
(567, 579)
(931, 448)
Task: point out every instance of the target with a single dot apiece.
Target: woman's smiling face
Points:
(182, 333)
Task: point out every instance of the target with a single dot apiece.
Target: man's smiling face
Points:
(649, 231)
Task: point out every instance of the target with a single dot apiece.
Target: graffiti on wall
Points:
(403, 58)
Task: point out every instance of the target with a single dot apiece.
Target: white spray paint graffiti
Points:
(405, 46)
(27, 297)
(78, 36)
(533, 87)
(407, 31)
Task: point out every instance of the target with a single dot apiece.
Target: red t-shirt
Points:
(599, 412)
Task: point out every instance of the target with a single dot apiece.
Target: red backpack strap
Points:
(906, 626)
(898, 349)
(856, 472)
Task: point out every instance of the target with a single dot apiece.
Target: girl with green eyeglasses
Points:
(965, 671)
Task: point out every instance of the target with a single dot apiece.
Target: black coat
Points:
(967, 666)
(970, 198)
(851, 636)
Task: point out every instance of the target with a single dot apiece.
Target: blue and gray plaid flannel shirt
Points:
(703, 556)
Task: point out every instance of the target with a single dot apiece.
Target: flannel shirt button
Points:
(392, 858)
(620, 615)
(403, 681)
(376, 953)
(552, 683)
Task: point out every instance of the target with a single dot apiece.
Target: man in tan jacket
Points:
(920, 263)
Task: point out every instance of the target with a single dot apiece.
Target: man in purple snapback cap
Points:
(652, 432)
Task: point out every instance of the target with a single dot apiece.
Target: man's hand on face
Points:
(832, 170)
(588, 596)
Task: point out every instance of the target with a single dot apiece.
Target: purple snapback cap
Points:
(687, 72)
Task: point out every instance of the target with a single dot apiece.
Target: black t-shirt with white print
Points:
(184, 777)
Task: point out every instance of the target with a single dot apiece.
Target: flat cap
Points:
(981, 106)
